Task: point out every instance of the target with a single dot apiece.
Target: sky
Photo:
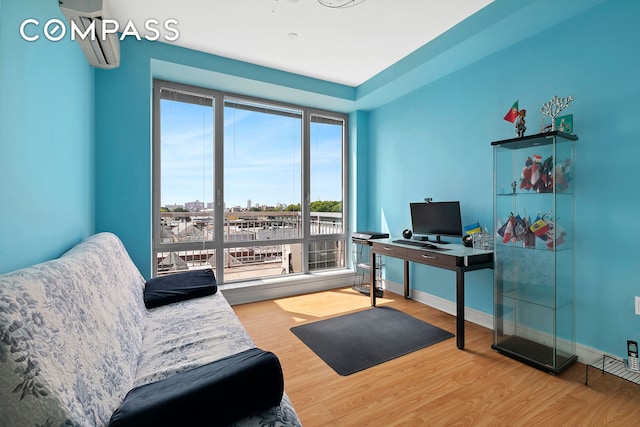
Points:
(262, 157)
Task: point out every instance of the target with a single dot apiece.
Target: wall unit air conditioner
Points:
(102, 51)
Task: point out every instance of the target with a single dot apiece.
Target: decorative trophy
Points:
(554, 107)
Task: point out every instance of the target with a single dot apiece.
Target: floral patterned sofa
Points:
(76, 338)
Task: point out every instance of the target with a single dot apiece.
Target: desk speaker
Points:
(407, 233)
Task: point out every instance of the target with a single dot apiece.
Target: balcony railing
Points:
(248, 236)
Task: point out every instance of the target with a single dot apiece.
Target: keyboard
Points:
(419, 244)
(412, 243)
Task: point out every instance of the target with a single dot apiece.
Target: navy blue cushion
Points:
(215, 394)
(179, 287)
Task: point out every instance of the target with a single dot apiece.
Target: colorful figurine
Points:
(542, 177)
(520, 123)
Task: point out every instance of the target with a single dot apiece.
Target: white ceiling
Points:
(346, 46)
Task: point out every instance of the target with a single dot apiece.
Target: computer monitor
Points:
(436, 219)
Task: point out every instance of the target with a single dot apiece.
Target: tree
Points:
(326, 206)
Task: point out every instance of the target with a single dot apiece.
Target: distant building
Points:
(196, 206)
(172, 207)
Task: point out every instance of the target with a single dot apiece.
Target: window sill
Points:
(285, 285)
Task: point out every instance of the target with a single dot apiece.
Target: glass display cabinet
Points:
(533, 205)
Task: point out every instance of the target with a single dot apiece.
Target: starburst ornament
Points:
(553, 108)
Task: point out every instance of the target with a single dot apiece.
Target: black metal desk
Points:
(456, 258)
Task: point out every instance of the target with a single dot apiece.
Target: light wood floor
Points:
(436, 386)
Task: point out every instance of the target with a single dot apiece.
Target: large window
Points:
(250, 187)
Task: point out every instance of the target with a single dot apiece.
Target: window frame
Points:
(218, 243)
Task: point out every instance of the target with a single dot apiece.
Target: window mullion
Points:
(218, 185)
(306, 189)
(156, 229)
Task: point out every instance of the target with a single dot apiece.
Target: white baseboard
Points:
(472, 315)
(585, 354)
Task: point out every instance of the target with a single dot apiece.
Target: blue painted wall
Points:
(46, 140)
(358, 170)
(123, 155)
(435, 142)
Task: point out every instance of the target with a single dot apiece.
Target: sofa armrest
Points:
(217, 393)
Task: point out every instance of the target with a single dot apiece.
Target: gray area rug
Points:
(357, 341)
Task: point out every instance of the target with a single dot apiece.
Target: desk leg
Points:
(372, 277)
(460, 309)
(406, 279)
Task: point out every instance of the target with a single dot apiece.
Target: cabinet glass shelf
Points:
(543, 296)
(564, 193)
